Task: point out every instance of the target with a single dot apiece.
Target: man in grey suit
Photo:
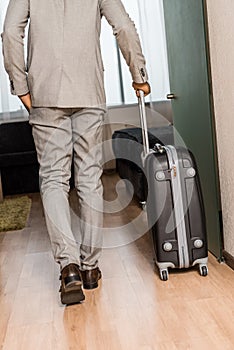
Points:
(62, 88)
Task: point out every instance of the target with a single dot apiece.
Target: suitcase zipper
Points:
(178, 206)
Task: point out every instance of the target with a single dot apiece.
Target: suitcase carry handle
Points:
(157, 147)
(145, 138)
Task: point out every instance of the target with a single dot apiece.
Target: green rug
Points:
(14, 213)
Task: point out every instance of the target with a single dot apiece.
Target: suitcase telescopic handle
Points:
(143, 121)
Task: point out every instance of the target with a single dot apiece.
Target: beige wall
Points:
(221, 34)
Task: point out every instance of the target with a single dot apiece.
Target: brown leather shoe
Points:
(90, 278)
(71, 285)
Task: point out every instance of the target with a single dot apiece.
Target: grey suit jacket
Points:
(64, 64)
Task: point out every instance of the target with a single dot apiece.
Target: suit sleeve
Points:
(13, 45)
(127, 37)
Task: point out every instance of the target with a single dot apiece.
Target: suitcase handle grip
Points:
(144, 128)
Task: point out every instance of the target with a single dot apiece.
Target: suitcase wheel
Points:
(203, 270)
(164, 275)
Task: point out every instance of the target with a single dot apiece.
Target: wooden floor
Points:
(131, 310)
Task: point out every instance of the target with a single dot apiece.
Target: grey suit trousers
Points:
(60, 135)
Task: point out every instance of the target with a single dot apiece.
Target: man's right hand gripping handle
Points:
(145, 87)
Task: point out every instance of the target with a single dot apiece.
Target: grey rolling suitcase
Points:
(174, 206)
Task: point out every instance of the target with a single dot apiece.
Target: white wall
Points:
(221, 33)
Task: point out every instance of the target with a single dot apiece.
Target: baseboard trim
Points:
(229, 259)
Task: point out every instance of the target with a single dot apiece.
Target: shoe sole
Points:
(72, 294)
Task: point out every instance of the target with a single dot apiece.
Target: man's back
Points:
(64, 65)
